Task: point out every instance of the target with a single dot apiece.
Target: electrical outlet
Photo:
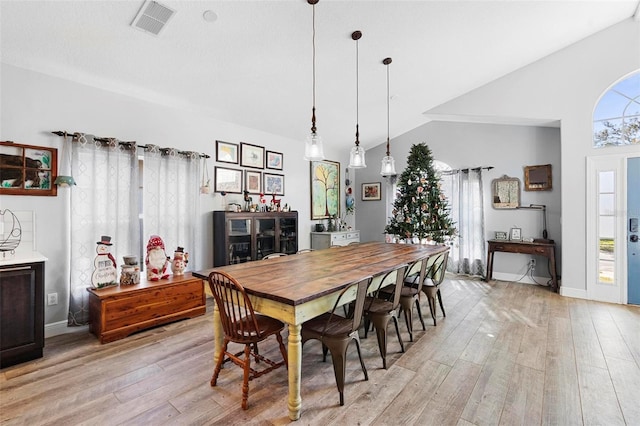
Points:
(52, 299)
(532, 264)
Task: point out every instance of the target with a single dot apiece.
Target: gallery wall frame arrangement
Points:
(274, 160)
(226, 152)
(273, 183)
(251, 156)
(228, 180)
(325, 189)
(371, 191)
(253, 181)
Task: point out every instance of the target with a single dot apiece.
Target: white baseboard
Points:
(60, 327)
(576, 293)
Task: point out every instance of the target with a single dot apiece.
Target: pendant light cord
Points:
(313, 44)
(357, 96)
(388, 152)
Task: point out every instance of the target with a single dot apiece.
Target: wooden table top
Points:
(299, 278)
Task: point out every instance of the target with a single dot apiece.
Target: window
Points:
(616, 119)
(606, 226)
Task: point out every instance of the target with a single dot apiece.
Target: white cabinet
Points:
(322, 240)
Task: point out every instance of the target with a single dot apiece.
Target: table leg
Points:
(554, 277)
(218, 334)
(489, 266)
(295, 367)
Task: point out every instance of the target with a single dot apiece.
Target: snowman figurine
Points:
(156, 260)
(105, 273)
(179, 262)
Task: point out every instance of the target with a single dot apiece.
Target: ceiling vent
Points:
(152, 17)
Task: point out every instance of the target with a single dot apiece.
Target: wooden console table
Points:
(546, 249)
(116, 312)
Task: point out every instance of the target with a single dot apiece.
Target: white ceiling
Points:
(252, 66)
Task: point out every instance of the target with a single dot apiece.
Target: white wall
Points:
(564, 86)
(34, 104)
(466, 145)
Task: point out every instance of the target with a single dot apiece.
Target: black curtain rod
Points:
(475, 169)
(127, 143)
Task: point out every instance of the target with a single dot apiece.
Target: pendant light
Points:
(356, 157)
(313, 150)
(388, 168)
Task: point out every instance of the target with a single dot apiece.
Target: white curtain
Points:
(464, 191)
(171, 205)
(104, 202)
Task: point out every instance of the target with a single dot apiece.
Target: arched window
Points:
(616, 119)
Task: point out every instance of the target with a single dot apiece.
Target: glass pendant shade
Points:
(313, 149)
(388, 166)
(356, 158)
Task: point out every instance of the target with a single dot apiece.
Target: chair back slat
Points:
(400, 275)
(355, 312)
(419, 268)
(438, 268)
(236, 312)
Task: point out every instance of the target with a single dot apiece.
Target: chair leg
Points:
(395, 322)
(432, 308)
(283, 351)
(380, 322)
(364, 368)
(216, 371)
(440, 300)
(245, 382)
(424, 328)
(408, 319)
(338, 356)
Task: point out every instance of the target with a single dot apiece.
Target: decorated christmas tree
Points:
(420, 209)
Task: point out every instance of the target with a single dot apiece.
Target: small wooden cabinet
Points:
(116, 312)
(21, 312)
(322, 240)
(242, 237)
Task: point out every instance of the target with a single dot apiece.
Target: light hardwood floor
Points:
(506, 353)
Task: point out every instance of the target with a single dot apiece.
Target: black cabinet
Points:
(242, 237)
(21, 313)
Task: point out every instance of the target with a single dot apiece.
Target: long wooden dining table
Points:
(296, 288)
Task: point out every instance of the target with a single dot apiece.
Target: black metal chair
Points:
(380, 309)
(431, 283)
(336, 332)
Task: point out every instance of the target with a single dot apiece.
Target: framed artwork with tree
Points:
(325, 189)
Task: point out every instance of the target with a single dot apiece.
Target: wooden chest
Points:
(116, 312)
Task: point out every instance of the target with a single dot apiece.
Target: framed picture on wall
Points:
(273, 184)
(226, 152)
(251, 156)
(274, 160)
(325, 189)
(371, 191)
(228, 180)
(253, 181)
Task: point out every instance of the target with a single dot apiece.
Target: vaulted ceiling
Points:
(253, 64)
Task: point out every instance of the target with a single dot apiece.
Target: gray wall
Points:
(507, 148)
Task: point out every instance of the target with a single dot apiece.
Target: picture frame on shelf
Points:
(371, 191)
(325, 189)
(226, 152)
(253, 181)
(251, 156)
(273, 184)
(501, 235)
(274, 160)
(515, 234)
(228, 180)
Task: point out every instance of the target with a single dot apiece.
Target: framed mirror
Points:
(505, 192)
(537, 178)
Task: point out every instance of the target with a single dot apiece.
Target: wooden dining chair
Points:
(335, 332)
(431, 285)
(274, 255)
(380, 309)
(242, 325)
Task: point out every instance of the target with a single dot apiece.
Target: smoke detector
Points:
(152, 17)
